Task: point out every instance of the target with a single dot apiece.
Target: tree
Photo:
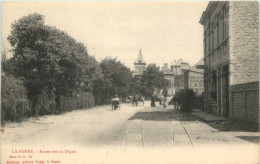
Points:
(51, 62)
(116, 80)
(136, 87)
(152, 79)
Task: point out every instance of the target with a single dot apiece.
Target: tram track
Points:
(186, 130)
(172, 136)
(129, 125)
(187, 134)
(142, 132)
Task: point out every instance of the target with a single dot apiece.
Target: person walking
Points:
(164, 98)
(153, 101)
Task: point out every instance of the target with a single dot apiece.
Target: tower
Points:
(139, 64)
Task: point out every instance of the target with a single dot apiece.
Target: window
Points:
(226, 17)
(208, 45)
(211, 42)
(213, 87)
(205, 49)
(215, 34)
(221, 29)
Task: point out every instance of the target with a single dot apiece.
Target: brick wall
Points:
(244, 42)
(244, 102)
(244, 61)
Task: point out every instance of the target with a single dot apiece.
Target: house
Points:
(231, 59)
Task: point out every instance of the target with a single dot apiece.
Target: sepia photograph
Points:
(130, 82)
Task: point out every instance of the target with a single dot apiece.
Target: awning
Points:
(201, 66)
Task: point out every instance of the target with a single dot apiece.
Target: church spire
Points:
(140, 58)
(139, 64)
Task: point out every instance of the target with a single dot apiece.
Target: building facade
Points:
(175, 72)
(194, 79)
(168, 75)
(231, 49)
(190, 78)
(178, 68)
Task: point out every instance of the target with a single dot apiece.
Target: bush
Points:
(46, 104)
(81, 101)
(185, 98)
(14, 103)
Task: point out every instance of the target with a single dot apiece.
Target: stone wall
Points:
(244, 42)
(244, 61)
(244, 102)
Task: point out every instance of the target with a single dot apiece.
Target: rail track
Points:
(187, 134)
(129, 125)
(142, 131)
(186, 130)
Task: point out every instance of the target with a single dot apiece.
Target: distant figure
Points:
(141, 99)
(153, 101)
(115, 98)
(165, 98)
(115, 102)
(135, 100)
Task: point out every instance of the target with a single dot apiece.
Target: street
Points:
(130, 135)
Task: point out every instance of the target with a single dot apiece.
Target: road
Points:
(130, 135)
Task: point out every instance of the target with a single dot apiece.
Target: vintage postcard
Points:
(130, 82)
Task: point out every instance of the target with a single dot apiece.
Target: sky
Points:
(164, 31)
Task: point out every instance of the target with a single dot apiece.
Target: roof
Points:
(140, 58)
(194, 69)
(207, 12)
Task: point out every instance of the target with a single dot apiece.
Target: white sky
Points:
(165, 31)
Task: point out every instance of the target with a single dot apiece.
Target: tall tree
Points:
(117, 79)
(51, 62)
(152, 79)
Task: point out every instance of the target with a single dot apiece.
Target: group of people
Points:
(135, 99)
(163, 99)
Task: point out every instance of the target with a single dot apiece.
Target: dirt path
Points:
(130, 135)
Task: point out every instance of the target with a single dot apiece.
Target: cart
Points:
(115, 104)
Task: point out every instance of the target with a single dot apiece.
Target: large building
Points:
(140, 64)
(231, 49)
(194, 79)
(190, 78)
(176, 70)
(168, 75)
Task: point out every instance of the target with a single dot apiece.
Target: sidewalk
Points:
(209, 117)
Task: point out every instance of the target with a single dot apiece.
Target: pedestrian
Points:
(153, 101)
(133, 100)
(136, 100)
(164, 98)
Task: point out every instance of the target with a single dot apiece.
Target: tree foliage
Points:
(152, 79)
(14, 102)
(116, 80)
(50, 61)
